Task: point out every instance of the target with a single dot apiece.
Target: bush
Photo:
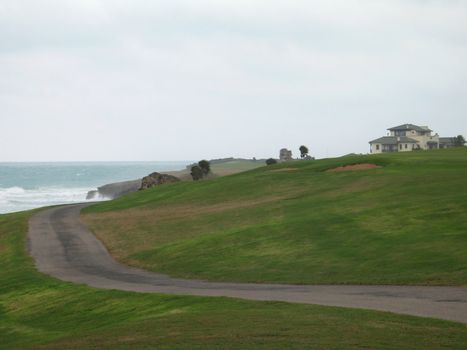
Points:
(459, 141)
(271, 161)
(205, 166)
(196, 173)
(303, 151)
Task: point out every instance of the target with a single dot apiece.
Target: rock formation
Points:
(156, 179)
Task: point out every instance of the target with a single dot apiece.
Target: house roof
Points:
(394, 140)
(447, 140)
(409, 127)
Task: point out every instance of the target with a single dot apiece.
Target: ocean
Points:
(26, 186)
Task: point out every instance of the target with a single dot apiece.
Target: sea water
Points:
(26, 186)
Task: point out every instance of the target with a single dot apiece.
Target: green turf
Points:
(236, 165)
(405, 223)
(38, 312)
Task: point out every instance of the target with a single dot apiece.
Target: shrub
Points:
(196, 173)
(303, 151)
(205, 166)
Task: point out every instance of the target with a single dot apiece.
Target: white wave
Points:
(13, 190)
(97, 196)
(17, 199)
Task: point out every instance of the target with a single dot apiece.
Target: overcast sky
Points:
(177, 80)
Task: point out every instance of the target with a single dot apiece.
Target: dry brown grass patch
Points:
(182, 210)
(129, 231)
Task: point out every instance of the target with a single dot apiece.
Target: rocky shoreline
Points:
(118, 189)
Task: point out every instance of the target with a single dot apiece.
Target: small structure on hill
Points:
(285, 155)
(156, 179)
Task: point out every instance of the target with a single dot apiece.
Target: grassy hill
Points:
(404, 223)
(267, 221)
(222, 168)
(39, 312)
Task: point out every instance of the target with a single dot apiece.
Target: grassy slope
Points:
(235, 166)
(405, 223)
(38, 312)
(222, 169)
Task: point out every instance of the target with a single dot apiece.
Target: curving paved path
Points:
(64, 248)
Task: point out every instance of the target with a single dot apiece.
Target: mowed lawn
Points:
(39, 312)
(403, 223)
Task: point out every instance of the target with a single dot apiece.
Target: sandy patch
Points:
(364, 166)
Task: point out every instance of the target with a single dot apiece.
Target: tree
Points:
(459, 141)
(271, 161)
(303, 151)
(196, 173)
(205, 166)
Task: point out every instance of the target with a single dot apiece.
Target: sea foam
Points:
(26, 186)
(15, 198)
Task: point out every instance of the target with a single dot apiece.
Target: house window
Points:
(400, 146)
(405, 146)
(377, 147)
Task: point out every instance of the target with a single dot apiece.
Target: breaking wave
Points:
(15, 198)
(28, 185)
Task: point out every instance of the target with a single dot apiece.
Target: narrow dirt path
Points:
(64, 248)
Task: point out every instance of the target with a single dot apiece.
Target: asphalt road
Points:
(64, 248)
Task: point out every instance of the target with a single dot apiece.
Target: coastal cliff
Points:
(118, 189)
(219, 167)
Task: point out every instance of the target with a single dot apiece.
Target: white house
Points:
(409, 137)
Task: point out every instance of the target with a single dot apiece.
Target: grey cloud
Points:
(144, 79)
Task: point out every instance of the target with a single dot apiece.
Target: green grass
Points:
(38, 312)
(405, 223)
(236, 166)
(223, 168)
